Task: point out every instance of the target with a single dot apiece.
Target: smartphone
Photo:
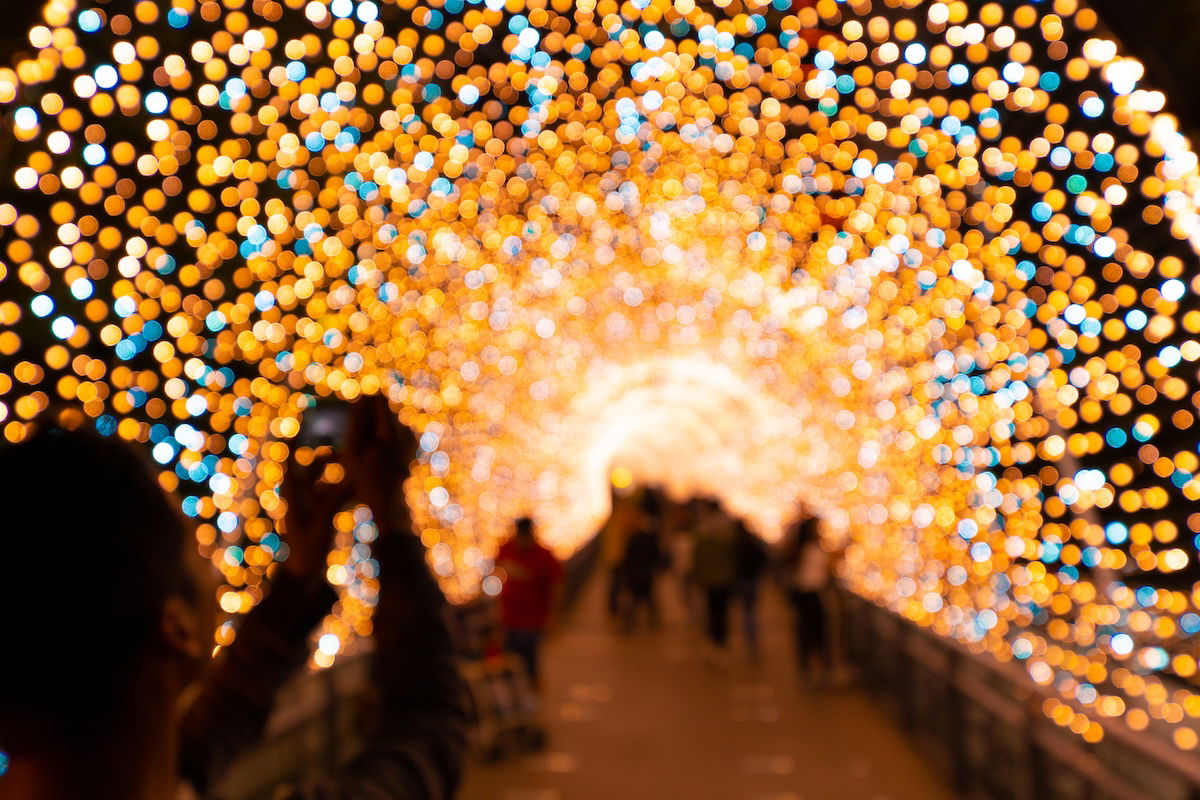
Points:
(324, 425)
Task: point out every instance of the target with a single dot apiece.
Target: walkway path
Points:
(643, 718)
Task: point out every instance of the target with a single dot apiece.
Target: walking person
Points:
(529, 597)
(614, 537)
(643, 558)
(752, 561)
(809, 570)
(715, 571)
(681, 544)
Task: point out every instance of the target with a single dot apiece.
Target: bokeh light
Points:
(927, 266)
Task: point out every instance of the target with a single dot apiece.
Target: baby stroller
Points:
(502, 703)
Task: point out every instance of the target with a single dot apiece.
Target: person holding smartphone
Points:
(130, 607)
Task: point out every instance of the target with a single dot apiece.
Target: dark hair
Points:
(524, 526)
(808, 530)
(90, 548)
(650, 501)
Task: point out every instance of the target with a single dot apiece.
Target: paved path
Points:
(642, 717)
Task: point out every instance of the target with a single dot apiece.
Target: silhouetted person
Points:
(613, 539)
(102, 578)
(681, 543)
(752, 561)
(715, 570)
(529, 594)
(643, 558)
(808, 572)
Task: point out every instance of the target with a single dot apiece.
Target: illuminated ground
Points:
(642, 718)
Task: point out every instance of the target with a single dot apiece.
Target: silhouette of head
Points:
(524, 527)
(808, 530)
(97, 580)
(651, 501)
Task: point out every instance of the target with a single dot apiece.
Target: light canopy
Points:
(927, 266)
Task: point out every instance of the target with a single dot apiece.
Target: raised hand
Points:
(313, 492)
(378, 457)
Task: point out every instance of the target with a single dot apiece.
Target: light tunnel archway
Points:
(955, 243)
(693, 428)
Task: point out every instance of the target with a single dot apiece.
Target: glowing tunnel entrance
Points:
(926, 264)
(694, 428)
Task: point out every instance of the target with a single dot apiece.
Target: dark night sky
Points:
(1165, 36)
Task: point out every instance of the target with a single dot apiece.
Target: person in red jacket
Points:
(529, 597)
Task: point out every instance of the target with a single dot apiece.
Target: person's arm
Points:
(416, 748)
(229, 707)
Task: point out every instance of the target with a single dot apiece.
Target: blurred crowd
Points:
(717, 567)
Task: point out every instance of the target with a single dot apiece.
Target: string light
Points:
(927, 265)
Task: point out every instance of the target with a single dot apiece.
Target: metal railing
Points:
(981, 721)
